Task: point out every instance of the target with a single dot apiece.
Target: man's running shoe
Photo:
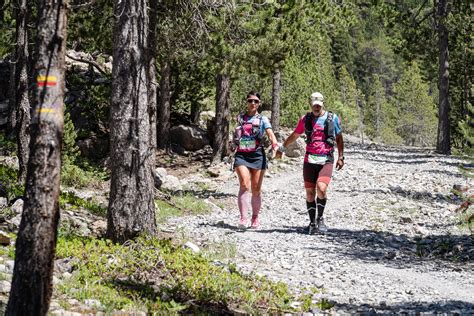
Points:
(255, 223)
(312, 229)
(321, 226)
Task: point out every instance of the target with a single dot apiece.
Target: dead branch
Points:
(90, 62)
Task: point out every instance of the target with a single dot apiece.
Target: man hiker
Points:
(323, 133)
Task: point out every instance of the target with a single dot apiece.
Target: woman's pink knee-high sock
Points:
(243, 201)
(256, 204)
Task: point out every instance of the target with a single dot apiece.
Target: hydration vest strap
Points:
(256, 123)
(329, 129)
(308, 126)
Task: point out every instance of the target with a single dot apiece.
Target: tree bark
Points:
(164, 109)
(152, 95)
(275, 121)
(35, 246)
(195, 111)
(444, 138)
(131, 206)
(361, 117)
(2, 9)
(12, 110)
(22, 102)
(378, 116)
(221, 131)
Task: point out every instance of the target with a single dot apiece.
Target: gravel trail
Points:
(394, 242)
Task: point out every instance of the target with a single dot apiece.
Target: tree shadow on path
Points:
(407, 157)
(450, 307)
(394, 250)
(401, 251)
(426, 196)
(282, 230)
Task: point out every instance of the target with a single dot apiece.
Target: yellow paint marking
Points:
(43, 110)
(46, 78)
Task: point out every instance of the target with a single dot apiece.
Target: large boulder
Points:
(267, 113)
(189, 137)
(205, 117)
(297, 149)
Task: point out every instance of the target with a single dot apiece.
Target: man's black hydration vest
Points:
(329, 131)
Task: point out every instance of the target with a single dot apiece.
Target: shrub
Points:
(163, 278)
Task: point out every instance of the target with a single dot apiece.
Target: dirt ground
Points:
(181, 165)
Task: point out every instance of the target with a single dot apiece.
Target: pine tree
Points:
(21, 100)
(70, 151)
(467, 128)
(35, 246)
(443, 144)
(131, 206)
(416, 108)
(347, 107)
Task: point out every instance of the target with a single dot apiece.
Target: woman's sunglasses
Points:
(253, 101)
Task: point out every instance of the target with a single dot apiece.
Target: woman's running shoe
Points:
(255, 223)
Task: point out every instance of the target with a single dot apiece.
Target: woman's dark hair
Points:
(251, 93)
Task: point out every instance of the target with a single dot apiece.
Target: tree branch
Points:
(427, 15)
(419, 11)
(90, 62)
(83, 5)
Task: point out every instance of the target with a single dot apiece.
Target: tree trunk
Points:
(444, 138)
(195, 111)
(164, 109)
(221, 131)
(361, 117)
(131, 206)
(344, 95)
(152, 97)
(12, 110)
(21, 82)
(378, 116)
(275, 121)
(35, 246)
(2, 13)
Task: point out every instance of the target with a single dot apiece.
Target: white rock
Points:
(63, 312)
(172, 183)
(5, 286)
(17, 207)
(194, 248)
(93, 303)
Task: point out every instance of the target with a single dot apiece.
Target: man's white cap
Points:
(316, 98)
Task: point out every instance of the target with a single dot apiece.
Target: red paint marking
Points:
(46, 83)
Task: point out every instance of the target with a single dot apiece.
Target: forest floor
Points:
(395, 243)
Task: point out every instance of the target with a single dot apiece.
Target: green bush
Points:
(390, 136)
(9, 182)
(93, 99)
(161, 277)
(7, 146)
(89, 204)
(69, 151)
(76, 172)
(79, 177)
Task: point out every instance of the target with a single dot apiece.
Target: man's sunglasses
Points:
(253, 101)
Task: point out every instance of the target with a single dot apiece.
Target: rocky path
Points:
(394, 244)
